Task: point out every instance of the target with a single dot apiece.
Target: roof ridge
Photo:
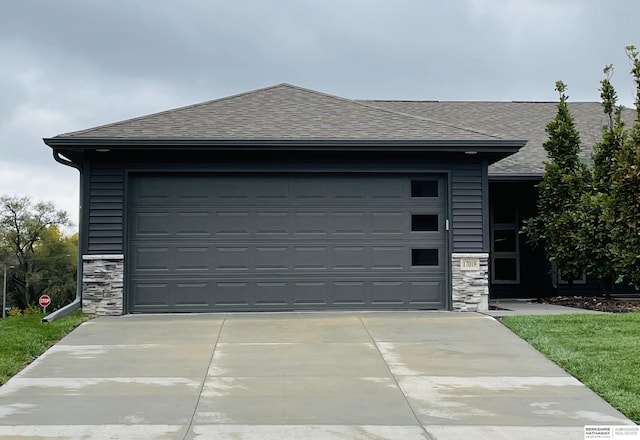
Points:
(433, 121)
(467, 101)
(406, 115)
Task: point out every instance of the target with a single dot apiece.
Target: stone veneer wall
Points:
(470, 288)
(102, 284)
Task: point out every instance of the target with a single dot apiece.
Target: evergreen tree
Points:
(597, 211)
(556, 227)
(625, 192)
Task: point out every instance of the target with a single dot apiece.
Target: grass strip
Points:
(602, 351)
(24, 338)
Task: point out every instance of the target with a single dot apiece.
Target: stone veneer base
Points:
(102, 284)
(470, 288)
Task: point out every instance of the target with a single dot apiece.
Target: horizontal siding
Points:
(106, 210)
(467, 208)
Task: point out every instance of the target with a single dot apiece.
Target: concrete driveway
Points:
(383, 375)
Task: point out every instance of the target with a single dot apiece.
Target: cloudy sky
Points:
(72, 64)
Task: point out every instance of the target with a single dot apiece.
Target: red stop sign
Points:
(44, 300)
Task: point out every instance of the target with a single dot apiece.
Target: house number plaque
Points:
(469, 264)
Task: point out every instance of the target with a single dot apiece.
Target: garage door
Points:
(236, 243)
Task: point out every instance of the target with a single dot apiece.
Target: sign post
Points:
(44, 301)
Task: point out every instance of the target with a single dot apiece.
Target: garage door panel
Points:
(151, 259)
(387, 189)
(232, 223)
(389, 258)
(192, 259)
(232, 259)
(309, 293)
(349, 293)
(346, 189)
(232, 294)
(388, 223)
(192, 294)
(425, 292)
(285, 294)
(261, 257)
(310, 223)
(212, 243)
(193, 188)
(308, 190)
(196, 223)
(388, 292)
(271, 258)
(269, 223)
(152, 295)
(268, 189)
(153, 190)
(152, 223)
(310, 258)
(350, 258)
(349, 223)
(271, 293)
(227, 189)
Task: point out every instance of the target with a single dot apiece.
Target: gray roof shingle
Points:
(513, 120)
(282, 112)
(286, 112)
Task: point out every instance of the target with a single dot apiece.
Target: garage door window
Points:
(424, 257)
(424, 188)
(424, 223)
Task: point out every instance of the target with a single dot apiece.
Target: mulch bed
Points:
(614, 305)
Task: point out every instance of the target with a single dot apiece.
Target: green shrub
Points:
(32, 310)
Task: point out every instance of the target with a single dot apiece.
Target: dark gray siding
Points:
(467, 199)
(106, 210)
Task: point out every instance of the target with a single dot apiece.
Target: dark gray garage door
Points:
(216, 243)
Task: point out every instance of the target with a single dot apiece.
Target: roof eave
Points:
(504, 177)
(492, 146)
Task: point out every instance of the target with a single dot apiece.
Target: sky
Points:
(67, 65)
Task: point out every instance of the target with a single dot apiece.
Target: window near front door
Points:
(505, 255)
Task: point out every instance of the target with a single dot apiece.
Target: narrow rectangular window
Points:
(505, 269)
(424, 257)
(424, 188)
(424, 223)
(505, 249)
(505, 240)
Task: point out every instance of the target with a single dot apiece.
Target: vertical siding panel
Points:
(106, 210)
(468, 196)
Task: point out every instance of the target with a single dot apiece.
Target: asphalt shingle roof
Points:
(513, 120)
(282, 112)
(286, 112)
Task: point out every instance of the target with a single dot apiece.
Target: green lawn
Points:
(24, 338)
(602, 351)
